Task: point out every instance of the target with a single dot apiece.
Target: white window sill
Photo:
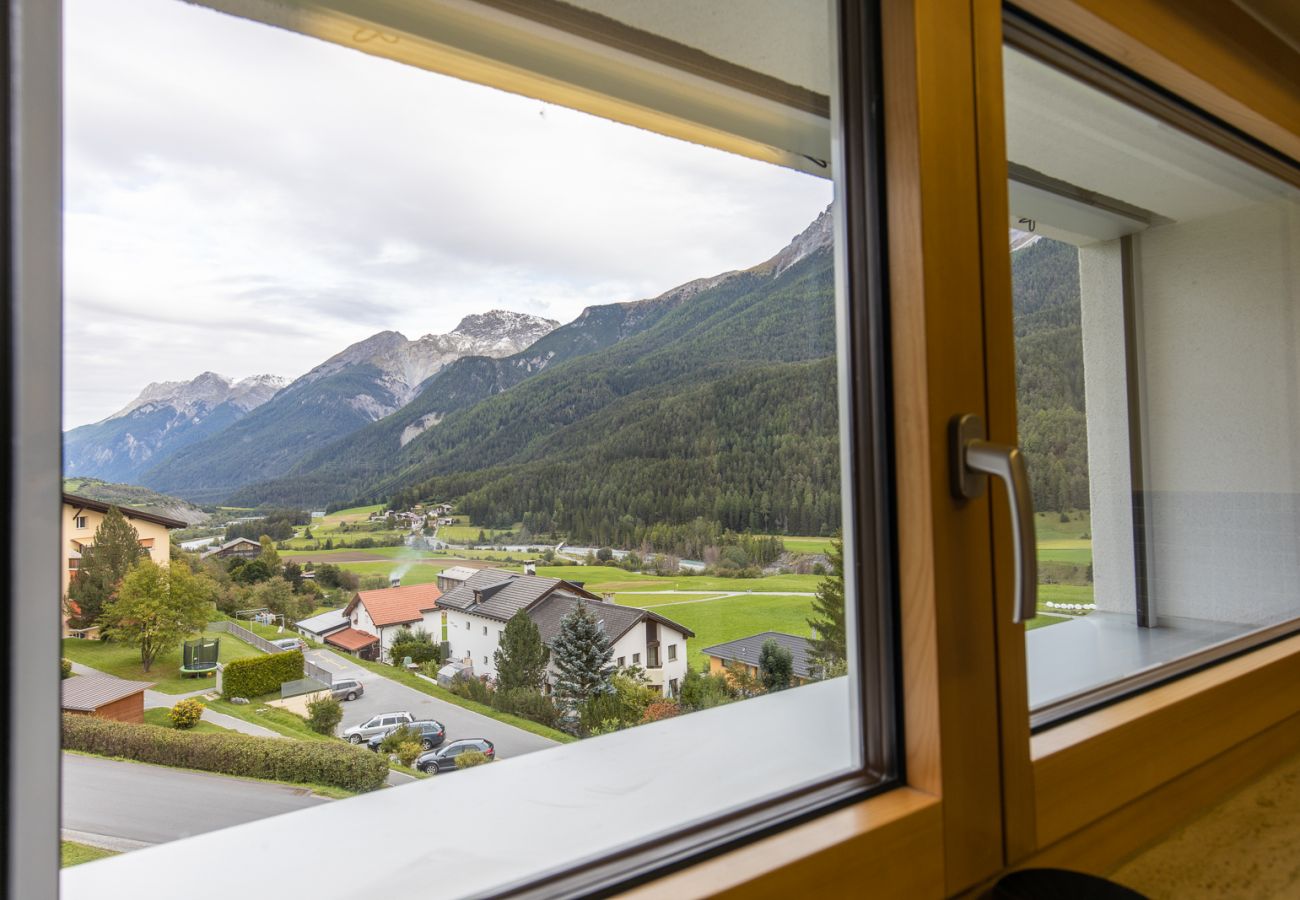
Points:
(469, 832)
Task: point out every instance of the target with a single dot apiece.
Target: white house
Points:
(478, 608)
(375, 617)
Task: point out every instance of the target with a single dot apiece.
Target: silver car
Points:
(376, 725)
(347, 689)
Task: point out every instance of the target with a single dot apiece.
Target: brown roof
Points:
(99, 506)
(88, 693)
(396, 606)
(351, 639)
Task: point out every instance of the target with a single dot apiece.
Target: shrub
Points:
(472, 689)
(471, 758)
(65, 668)
(407, 751)
(528, 703)
(661, 709)
(324, 714)
(393, 741)
(186, 714)
(430, 668)
(315, 762)
(260, 675)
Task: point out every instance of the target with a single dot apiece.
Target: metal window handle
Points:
(972, 458)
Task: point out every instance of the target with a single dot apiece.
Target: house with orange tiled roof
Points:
(375, 617)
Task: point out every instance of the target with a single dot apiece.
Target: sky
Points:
(245, 200)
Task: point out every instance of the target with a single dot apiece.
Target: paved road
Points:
(103, 798)
(385, 695)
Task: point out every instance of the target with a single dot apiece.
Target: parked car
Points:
(431, 734)
(376, 725)
(347, 689)
(290, 643)
(444, 758)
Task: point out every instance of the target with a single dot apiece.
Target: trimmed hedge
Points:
(312, 762)
(260, 675)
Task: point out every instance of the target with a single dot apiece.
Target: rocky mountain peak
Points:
(504, 324)
(820, 234)
(204, 392)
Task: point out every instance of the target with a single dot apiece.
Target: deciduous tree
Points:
(155, 608)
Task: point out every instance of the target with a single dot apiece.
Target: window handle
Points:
(972, 458)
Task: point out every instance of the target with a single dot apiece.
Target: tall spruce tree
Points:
(521, 659)
(582, 653)
(775, 666)
(116, 550)
(829, 654)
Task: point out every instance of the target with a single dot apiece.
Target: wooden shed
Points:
(105, 696)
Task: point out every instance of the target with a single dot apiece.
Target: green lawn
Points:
(1064, 593)
(610, 578)
(123, 660)
(411, 680)
(281, 721)
(419, 573)
(1049, 527)
(717, 621)
(1081, 556)
(1043, 621)
(75, 854)
(633, 598)
(461, 534)
(159, 717)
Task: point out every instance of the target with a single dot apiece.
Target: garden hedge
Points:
(312, 762)
(260, 675)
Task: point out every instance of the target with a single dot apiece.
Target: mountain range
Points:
(166, 416)
(712, 405)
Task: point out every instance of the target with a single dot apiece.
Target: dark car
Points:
(444, 759)
(431, 734)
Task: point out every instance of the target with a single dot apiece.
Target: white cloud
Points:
(243, 199)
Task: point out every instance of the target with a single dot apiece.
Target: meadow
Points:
(729, 618)
(123, 661)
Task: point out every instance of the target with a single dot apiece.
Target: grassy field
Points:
(716, 621)
(159, 717)
(1043, 621)
(1064, 593)
(610, 578)
(419, 573)
(1049, 527)
(281, 721)
(75, 854)
(1081, 556)
(123, 660)
(641, 599)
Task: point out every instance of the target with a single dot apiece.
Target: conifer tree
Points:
(829, 653)
(521, 659)
(775, 666)
(582, 653)
(116, 550)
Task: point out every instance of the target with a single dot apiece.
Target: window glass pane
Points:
(1155, 290)
(543, 348)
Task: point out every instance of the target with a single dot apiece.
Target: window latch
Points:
(973, 458)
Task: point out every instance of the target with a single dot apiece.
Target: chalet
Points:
(81, 518)
(375, 617)
(747, 652)
(239, 548)
(479, 607)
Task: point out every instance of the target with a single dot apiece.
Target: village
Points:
(398, 634)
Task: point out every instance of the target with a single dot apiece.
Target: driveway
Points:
(385, 695)
(125, 804)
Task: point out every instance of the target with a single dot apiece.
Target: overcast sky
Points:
(245, 200)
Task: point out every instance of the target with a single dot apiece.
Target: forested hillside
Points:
(1049, 373)
(717, 413)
